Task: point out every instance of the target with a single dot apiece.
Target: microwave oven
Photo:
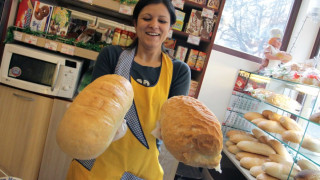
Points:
(39, 71)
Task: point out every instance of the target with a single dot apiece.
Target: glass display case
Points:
(255, 93)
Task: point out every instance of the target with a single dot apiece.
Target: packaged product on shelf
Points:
(116, 36)
(170, 43)
(171, 52)
(41, 17)
(178, 25)
(195, 22)
(193, 88)
(87, 34)
(207, 27)
(181, 53)
(60, 19)
(130, 38)
(24, 13)
(123, 38)
(192, 58)
(76, 27)
(200, 60)
(202, 2)
(213, 4)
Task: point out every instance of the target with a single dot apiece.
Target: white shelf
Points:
(232, 158)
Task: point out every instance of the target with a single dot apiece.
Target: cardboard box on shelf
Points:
(170, 43)
(60, 20)
(192, 58)
(213, 4)
(24, 13)
(41, 17)
(180, 20)
(195, 23)
(181, 53)
(200, 60)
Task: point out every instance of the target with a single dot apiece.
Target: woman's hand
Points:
(121, 131)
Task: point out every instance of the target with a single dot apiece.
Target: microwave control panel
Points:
(68, 81)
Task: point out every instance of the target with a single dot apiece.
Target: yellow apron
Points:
(130, 156)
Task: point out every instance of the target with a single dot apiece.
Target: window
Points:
(245, 24)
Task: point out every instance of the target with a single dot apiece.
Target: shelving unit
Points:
(242, 101)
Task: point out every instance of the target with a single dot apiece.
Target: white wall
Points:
(222, 68)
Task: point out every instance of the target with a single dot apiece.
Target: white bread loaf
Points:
(252, 115)
(257, 133)
(243, 154)
(229, 143)
(191, 132)
(292, 136)
(265, 176)
(256, 170)
(249, 162)
(279, 171)
(311, 144)
(274, 116)
(233, 149)
(279, 148)
(233, 132)
(241, 137)
(258, 120)
(92, 120)
(266, 113)
(282, 160)
(290, 124)
(283, 102)
(256, 147)
(263, 139)
(315, 117)
(306, 164)
(308, 175)
(271, 126)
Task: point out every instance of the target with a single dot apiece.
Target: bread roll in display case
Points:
(266, 112)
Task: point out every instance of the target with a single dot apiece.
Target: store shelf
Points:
(198, 6)
(55, 46)
(233, 159)
(186, 35)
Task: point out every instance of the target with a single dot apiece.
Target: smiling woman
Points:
(155, 77)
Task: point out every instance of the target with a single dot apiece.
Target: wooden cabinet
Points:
(24, 120)
(55, 163)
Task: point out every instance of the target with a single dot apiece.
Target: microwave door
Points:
(55, 76)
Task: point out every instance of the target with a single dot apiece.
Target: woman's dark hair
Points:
(143, 3)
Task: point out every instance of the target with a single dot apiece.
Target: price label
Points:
(193, 40)
(124, 9)
(170, 33)
(67, 49)
(178, 4)
(31, 39)
(17, 35)
(209, 13)
(52, 45)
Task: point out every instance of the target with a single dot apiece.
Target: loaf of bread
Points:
(282, 160)
(233, 132)
(292, 136)
(265, 176)
(279, 148)
(243, 154)
(233, 149)
(191, 132)
(241, 137)
(308, 174)
(283, 102)
(263, 139)
(306, 164)
(311, 144)
(271, 126)
(249, 162)
(290, 124)
(315, 117)
(266, 113)
(256, 147)
(274, 116)
(279, 171)
(256, 170)
(252, 115)
(229, 143)
(93, 118)
(257, 133)
(258, 120)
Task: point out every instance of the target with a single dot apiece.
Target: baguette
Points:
(311, 144)
(315, 117)
(290, 124)
(256, 170)
(255, 147)
(258, 120)
(252, 115)
(263, 139)
(233, 149)
(266, 113)
(281, 160)
(249, 162)
(229, 143)
(279, 148)
(92, 120)
(306, 164)
(274, 117)
(243, 154)
(279, 171)
(308, 175)
(271, 126)
(257, 133)
(265, 176)
(241, 137)
(292, 136)
(233, 132)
